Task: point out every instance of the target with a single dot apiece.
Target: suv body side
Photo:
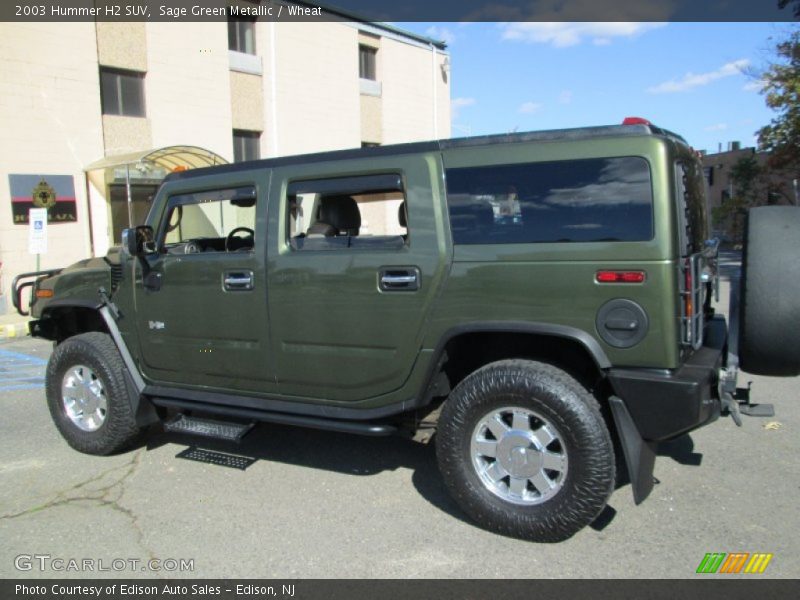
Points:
(260, 342)
(554, 283)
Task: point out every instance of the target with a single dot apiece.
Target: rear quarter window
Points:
(591, 200)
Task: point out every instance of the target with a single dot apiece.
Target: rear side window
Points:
(605, 199)
(366, 212)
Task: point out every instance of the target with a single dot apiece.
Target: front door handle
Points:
(398, 279)
(238, 281)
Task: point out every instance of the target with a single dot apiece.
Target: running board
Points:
(357, 427)
(757, 410)
(222, 430)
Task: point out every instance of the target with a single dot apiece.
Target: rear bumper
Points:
(666, 404)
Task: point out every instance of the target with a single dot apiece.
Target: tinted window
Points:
(607, 199)
(122, 92)
(691, 194)
(242, 35)
(246, 145)
(366, 62)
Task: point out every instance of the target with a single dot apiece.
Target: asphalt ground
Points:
(313, 504)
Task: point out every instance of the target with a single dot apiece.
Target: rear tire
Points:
(87, 396)
(524, 450)
(770, 301)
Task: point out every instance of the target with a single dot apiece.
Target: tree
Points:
(781, 138)
(746, 177)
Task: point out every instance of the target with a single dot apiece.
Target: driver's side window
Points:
(210, 221)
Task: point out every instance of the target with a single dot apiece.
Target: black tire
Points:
(560, 401)
(96, 352)
(770, 300)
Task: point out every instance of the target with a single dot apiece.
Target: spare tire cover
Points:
(770, 301)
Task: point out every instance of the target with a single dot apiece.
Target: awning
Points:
(170, 157)
(163, 160)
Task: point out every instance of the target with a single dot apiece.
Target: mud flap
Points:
(143, 410)
(640, 456)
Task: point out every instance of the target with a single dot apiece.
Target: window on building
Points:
(341, 213)
(242, 35)
(122, 92)
(592, 200)
(246, 145)
(366, 62)
(708, 172)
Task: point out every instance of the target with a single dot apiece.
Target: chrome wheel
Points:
(518, 455)
(84, 398)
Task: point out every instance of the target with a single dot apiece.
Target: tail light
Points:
(619, 277)
(692, 302)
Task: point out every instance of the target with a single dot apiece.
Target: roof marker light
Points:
(635, 121)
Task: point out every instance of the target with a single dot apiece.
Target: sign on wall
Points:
(54, 193)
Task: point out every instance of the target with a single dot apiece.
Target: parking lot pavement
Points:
(320, 504)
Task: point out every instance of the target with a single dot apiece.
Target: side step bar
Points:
(223, 430)
(357, 427)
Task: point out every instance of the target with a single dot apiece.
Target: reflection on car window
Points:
(589, 200)
(348, 212)
(211, 220)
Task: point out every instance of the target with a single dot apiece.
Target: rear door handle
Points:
(398, 279)
(238, 281)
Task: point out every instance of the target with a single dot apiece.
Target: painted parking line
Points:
(20, 371)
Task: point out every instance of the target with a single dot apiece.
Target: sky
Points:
(696, 79)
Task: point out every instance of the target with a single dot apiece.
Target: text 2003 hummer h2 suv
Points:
(542, 300)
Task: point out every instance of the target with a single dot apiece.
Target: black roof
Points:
(579, 133)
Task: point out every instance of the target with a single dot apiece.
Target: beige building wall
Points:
(371, 119)
(408, 96)
(187, 87)
(122, 45)
(247, 101)
(316, 72)
(50, 123)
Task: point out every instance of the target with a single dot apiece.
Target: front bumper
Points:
(666, 404)
(27, 280)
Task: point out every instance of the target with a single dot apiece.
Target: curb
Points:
(13, 330)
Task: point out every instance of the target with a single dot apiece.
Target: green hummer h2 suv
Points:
(539, 303)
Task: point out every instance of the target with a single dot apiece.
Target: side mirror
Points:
(138, 241)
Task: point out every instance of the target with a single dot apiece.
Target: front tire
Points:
(525, 452)
(87, 396)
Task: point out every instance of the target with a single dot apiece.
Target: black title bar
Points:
(395, 10)
(704, 586)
